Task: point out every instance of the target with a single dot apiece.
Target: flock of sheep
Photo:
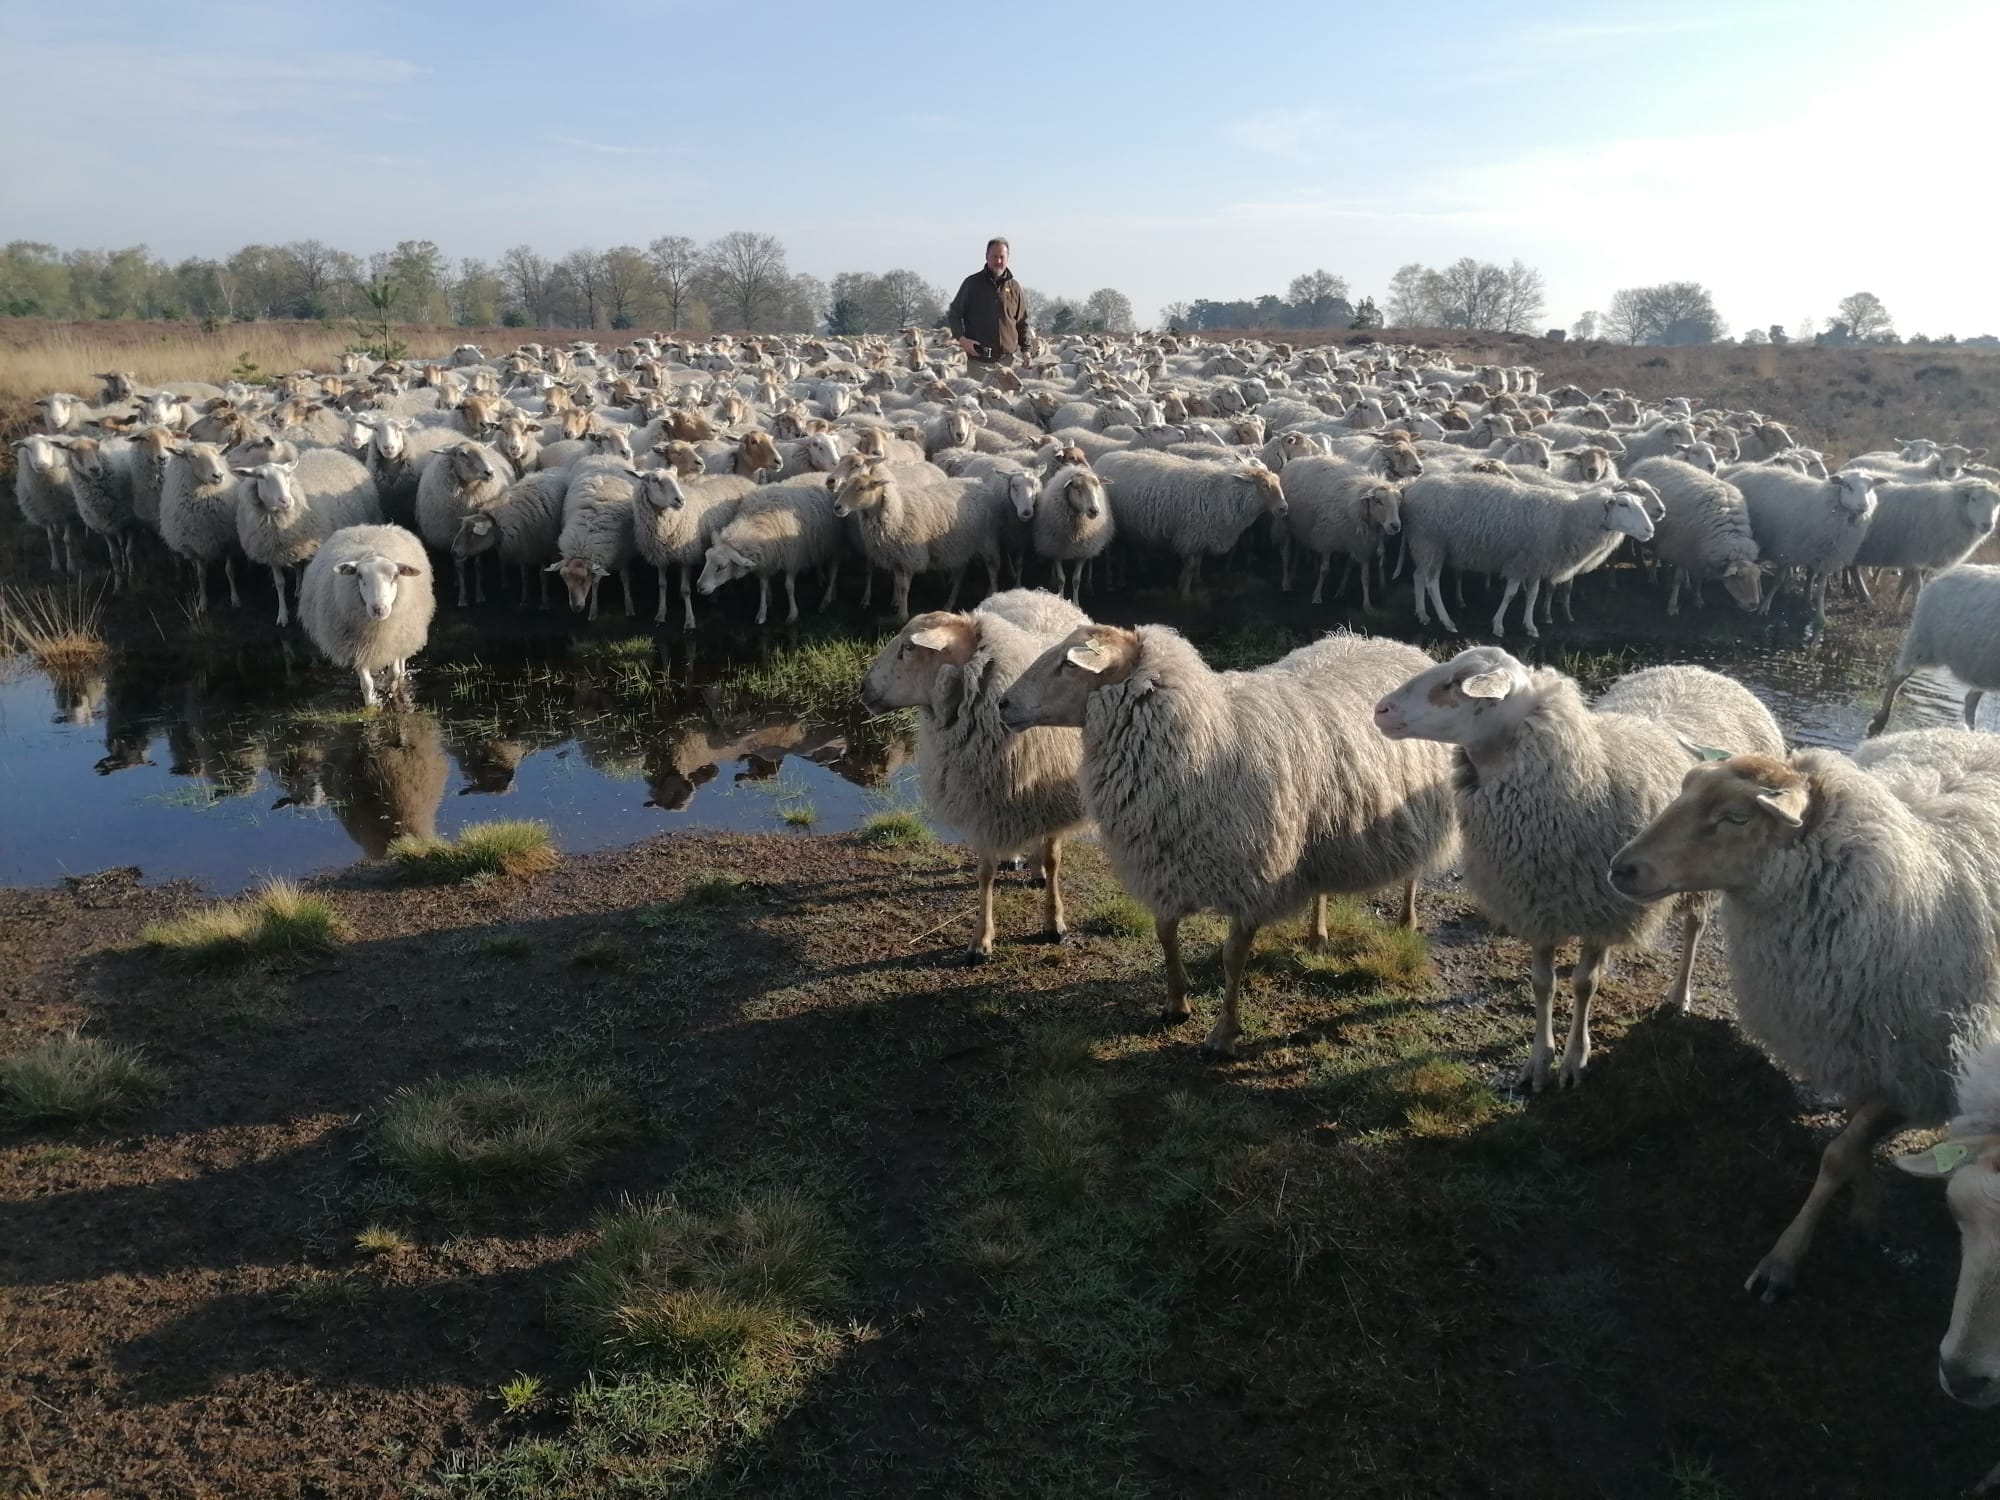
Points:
(1858, 897)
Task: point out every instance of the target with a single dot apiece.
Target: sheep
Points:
(198, 515)
(284, 511)
(1334, 507)
(914, 520)
(597, 536)
(950, 429)
(1658, 441)
(1188, 506)
(150, 449)
(100, 482)
(1547, 788)
(522, 526)
(366, 602)
(1527, 533)
(1861, 918)
(1704, 533)
(1246, 792)
(1955, 625)
(1003, 792)
(1919, 528)
(1073, 523)
(674, 523)
(1802, 522)
(1763, 440)
(461, 479)
(41, 490)
(786, 528)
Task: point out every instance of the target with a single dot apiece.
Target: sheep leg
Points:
(951, 599)
(1062, 583)
(69, 551)
(55, 557)
(993, 575)
(1507, 598)
(1189, 567)
(763, 599)
(1845, 1160)
(902, 596)
(1409, 916)
(687, 597)
(399, 677)
(1055, 924)
(832, 583)
(594, 583)
(1168, 931)
(982, 946)
(1542, 975)
(1347, 575)
(1458, 584)
(542, 574)
(1221, 1040)
(1316, 935)
(1319, 578)
(229, 572)
(624, 585)
(479, 579)
(1819, 599)
(1568, 593)
(1857, 581)
(1693, 919)
(1583, 989)
(459, 563)
(1534, 587)
(201, 588)
(1674, 591)
(1913, 583)
(278, 577)
(660, 610)
(1285, 566)
(867, 584)
(525, 571)
(368, 697)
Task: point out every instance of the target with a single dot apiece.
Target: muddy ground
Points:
(1352, 1262)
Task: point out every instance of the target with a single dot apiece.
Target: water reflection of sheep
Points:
(690, 755)
(131, 713)
(383, 777)
(215, 738)
(79, 696)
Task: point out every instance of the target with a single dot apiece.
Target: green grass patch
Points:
(279, 918)
(1691, 1478)
(512, 945)
(716, 888)
(599, 951)
(1118, 916)
(322, 1294)
(995, 1237)
(798, 814)
(1362, 951)
(520, 1395)
(897, 829)
(1064, 1129)
(487, 1132)
(821, 678)
(1576, 1318)
(68, 1078)
(513, 847)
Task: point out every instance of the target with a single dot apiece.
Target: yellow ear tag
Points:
(1948, 1155)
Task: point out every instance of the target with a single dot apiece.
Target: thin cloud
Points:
(1307, 130)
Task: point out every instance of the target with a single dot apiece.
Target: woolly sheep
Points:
(1548, 788)
(41, 490)
(150, 449)
(367, 602)
(1704, 533)
(461, 479)
(1188, 506)
(523, 527)
(1919, 528)
(912, 521)
(785, 528)
(1861, 917)
(284, 511)
(100, 482)
(676, 521)
(1250, 793)
(1802, 522)
(1658, 441)
(198, 515)
(1073, 523)
(597, 536)
(1334, 507)
(1003, 792)
(1527, 533)
(1956, 625)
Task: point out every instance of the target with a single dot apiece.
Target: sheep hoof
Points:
(974, 957)
(1679, 1001)
(1572, 1072)
(1773, 1279)
(1219, 1044)
(1057, 939)
(1534, 1074)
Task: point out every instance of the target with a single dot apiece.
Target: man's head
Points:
(996, 255)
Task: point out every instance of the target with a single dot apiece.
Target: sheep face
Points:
(1270, 490)
(822, 452)
(1082, 492)
(475, 534)
(1055, 689)
(661, 489)
(1530, 450)
(270, 486)
(59, 410)
(206, 462)
(1969, 1356)
(47, 459)
(377, 579)
(1981, 503)
(757, 452)
(865, 488)
(516, 442)
(1730, 817)
(1627, 512)
(904, 674)
(86, 456)
(1648, 498)
(1021, 495)
(471, 467)
(1952, 459)
(1915, 450)
(1468, 700)
(723, 564)
(1383, 506)
(1744, 582)
(1852, 492)
(609, 442)
(578, 575)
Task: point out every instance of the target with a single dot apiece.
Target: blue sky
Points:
(1785, 154)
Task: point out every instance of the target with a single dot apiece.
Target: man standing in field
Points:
(989, 317)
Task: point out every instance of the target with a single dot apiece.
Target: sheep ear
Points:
(554, 567)
(347, 569)
(1702, 753)
(404, 570)
(932, 638)
(246, 473)
(1494, 685)
(1786, 804)
(1090, 656)
(1943, 1159)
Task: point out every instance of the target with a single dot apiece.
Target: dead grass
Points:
(60, 629)
(513, 847)
(279, 918)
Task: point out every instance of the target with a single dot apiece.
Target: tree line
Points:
(1467, 293)
(740, 280)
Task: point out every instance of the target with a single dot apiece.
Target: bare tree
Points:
(530, 283)
(1314, 295)
(1411, 297)
(746, 275)
(1865, 315)
(1176, 315)
(1519, 305)
(676, 275)
(1109, 310)
(906, 300)
(580, 275)
(1585, 327)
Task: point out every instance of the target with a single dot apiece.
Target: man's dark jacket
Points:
(990, 311)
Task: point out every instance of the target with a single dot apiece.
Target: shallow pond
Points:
(233, 762)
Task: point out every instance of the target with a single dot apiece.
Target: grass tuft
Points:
(995, 1237)
(715, 888)
(599, 951)
(279, 918)
(1119, 916)
(74, 1078)
(799, 814)
(1364, 952)
(896, 830)
(520, 1395)
(61, 631)
(497, 1132)
(508, 945)
(1064, 1127)
(381, 1240)
(820, 678)
(512, 847)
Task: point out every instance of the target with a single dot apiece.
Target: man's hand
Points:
(970, 346)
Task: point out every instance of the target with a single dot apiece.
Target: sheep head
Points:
(1471, 699)
(270, 486)
(1953, 457)
(1055, 690)
(43, 455)
(1648, 498)
(377, 579)
(1270, 490)
(1852, 491)
(1981, 504)
(1716, 835)
(1397, 459)
(1383, 506)
(723, 564)
(1021, 494)
(906, 672)
(866, 486)
(1744, 582)
(579, 575)
(661, 489)
(608, 442)
(471, 466)
(1081, 490)
(757, 452)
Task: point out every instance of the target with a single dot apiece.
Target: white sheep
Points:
(597, 537)
(41, 489)
(284, 511)
(1548, 788)
(1658, 441)
(459, 480)
(785, 528)
(1191, 507)
(198, 515)
(1073, 523)
(1004, 792)
(1333, 507)
(913, 519)
(1956, 625)
(1919, 528)
(1802, 522)
(1861, 917)
(1704, 532)
(523, 527)
(100, 482)
(367, 602)
(676, 521)
(1251, 793)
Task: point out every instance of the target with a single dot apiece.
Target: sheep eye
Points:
(1738, 816)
